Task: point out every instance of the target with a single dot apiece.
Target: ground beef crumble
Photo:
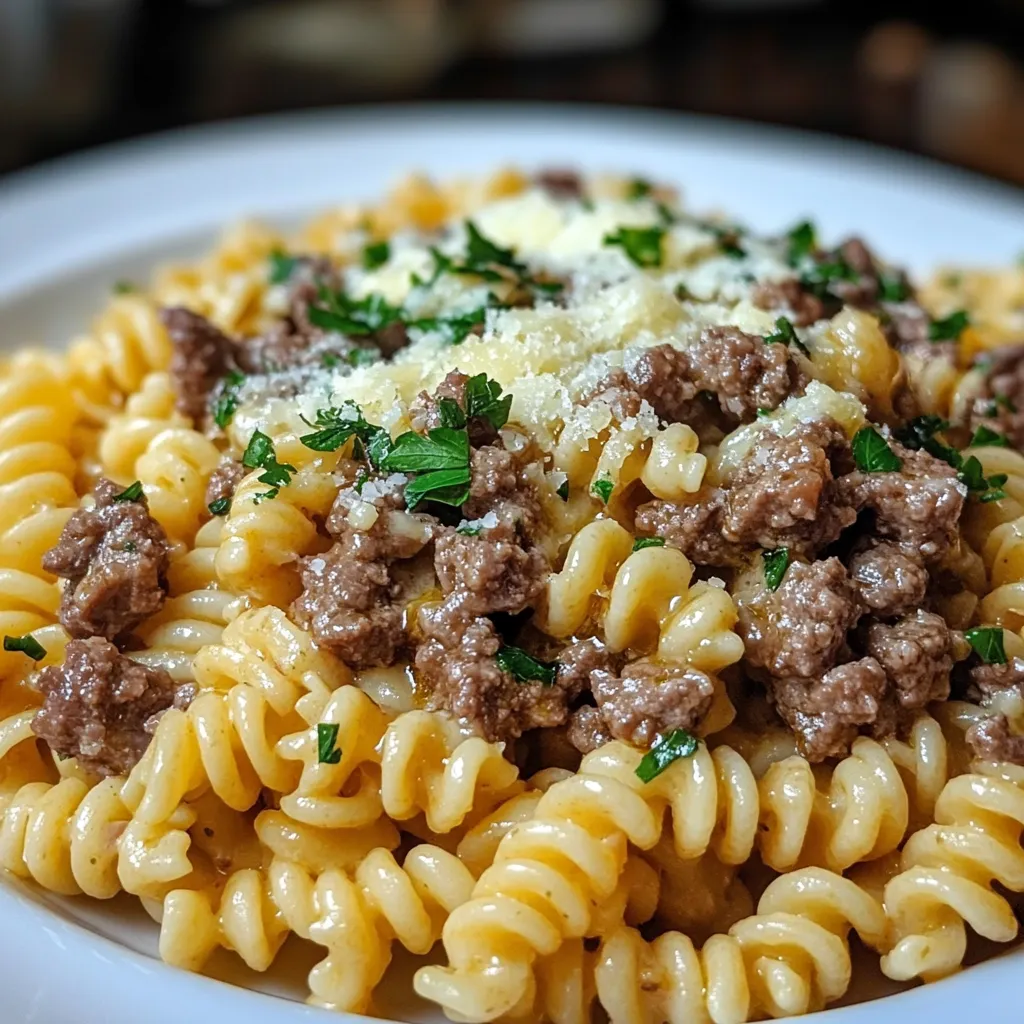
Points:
(114, 556)
(101, 707)
(224, 479)
(917, 654)
(992, 740)
(999, 402)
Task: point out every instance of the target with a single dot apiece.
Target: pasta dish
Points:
(616, 608)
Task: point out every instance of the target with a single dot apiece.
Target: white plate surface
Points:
(67, 230)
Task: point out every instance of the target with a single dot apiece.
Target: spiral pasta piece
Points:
(427, 767)
(947, 871)
(791, 958)
(548, 875)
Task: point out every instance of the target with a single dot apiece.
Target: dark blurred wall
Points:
(932, 78)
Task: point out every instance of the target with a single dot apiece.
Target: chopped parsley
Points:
(641, 245)
(987, 642)
(985, 489)
(440, 460)
(335, 311)
(920, 433)
(329, 360)
(220, 507)
(893, 288)
(129, 546)
(949, 328)
(337, 426)
(803, 240)
(131, 493)
(482, 252)
(872, 454)
(785, 333)
(26, 644)
(525, 668)
(484, 401)
(451, 413)
(985, 438)
(678, 743)
(227, 400)
(648, 542)
(563, 490)
(259, 454)
(763, 411)
(465, 530)
(818, 280)
(638, 189)
(775, 565)
(125, 287)
(728, 241)
(602, 488)
(376, 254)
(455, 328)
(281, 266)
(327, 751)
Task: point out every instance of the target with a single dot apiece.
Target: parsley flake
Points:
(525, 668)
(376, 254)
(638, 189)
(985, 438)
(465, 530)
(728, 241)
(481, 251)
(818, 280)
(987, 642)
(220, 507)
(802, 239)
(329, 360)
(327, 751)
(335, 311)
(678, 743)
(26, 644)
(125, 287)
(648, 542)
(454, 329)
(893, 288)
(949, 328)
(785, 334)
(641, 245)
(602, 488)
(920, 432)
(451, 413)
(361, 357)
(484, 401)
(872, 454)
(227, 401)
(985, 489)
(259, 454)
(441, 460)
(337, 426)
(281, 266)
(131, 493)
(562, 490)
(775, 565)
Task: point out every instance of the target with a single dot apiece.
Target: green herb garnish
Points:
(326, 738)
(376, 254)
(337, 426)
(562, 490)
(26, 644)
(949, 328)
(131, 493)
(259, 454)
(985, 438)
(872, 454)
(465, 530)
(450, 413)
(526, 668)
(602, 488)
(335, 311)
(678, 743)
(329, 360)
(441, 460)
(920, 433)
(220, 507)
(648, 542)
(728, 241)
(454, 329)
(818, 280)
(484, 401)
(803, 240)
(775, 565)
(282, 266)
(893, 288)
(124, 287)
(987, 642)
(227, 400)
(638, 189)
(785, 334)
(641, 245)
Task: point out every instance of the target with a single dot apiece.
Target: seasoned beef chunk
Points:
(350, 599)
(578, 662)
(800, 628)
(649, 698)
(889, 582)
(114, 557)
(742, 371)
(100, 706)
(560, 183)
(790, 299)
(992, 740)
(917, 654)
(456, 663)
(783, 494)
(999, 404)
(425, 412)
(906, 327)
(587, 729)
(826, 714)
(202, 356)
(224, 479)
(987, 680)
(918, 507)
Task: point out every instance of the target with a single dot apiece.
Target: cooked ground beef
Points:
(889, 582)
(826, 714)
(986, 680)
(457, 666)
(992, 740)
(587, 729)
(918, 507)
(648, 699)
(224, 479)
(498, 484)
(425, 413)
(917, 654)
(560, 183)
(788, 298)
(350, 599)
(201, 356)
(906, 327)
(100, 707)
(999, 404)
(114, 557)
(578, 661)
(800, 628)
(783, 494)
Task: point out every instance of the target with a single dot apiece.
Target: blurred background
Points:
(934, 78)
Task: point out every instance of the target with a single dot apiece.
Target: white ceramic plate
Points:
(69, 229)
